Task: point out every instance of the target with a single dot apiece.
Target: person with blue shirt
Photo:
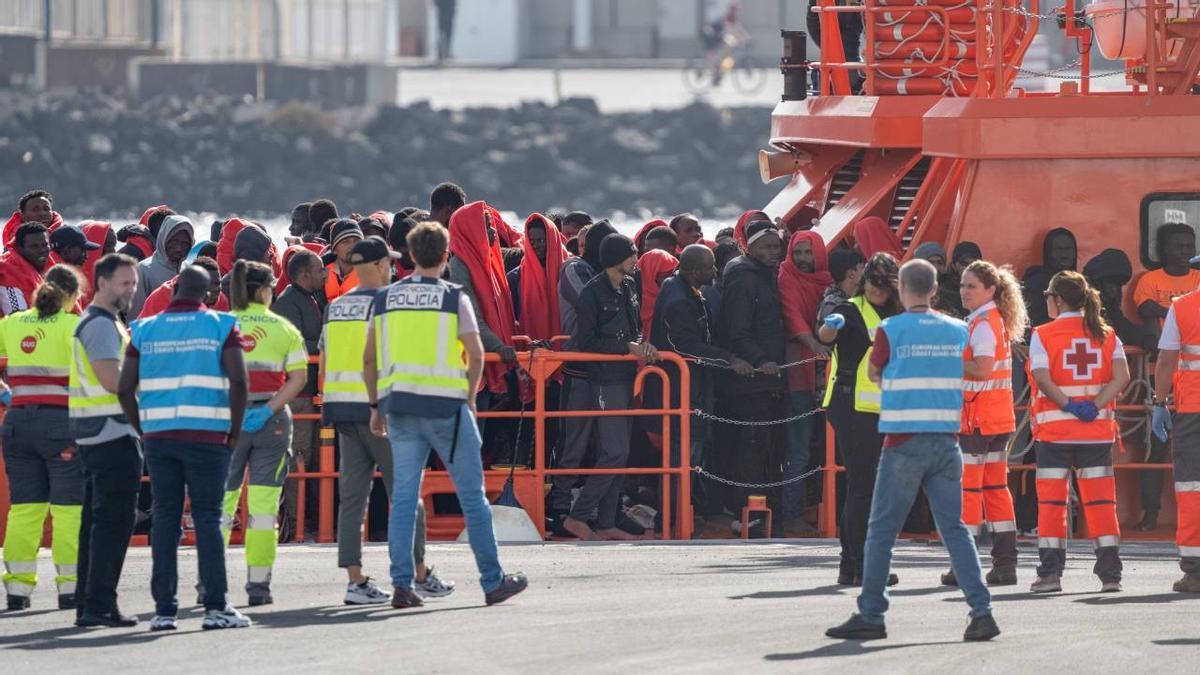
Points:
(917, 363)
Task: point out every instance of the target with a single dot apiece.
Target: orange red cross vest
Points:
(1080, 368)
(987, 402)
(1187, 374)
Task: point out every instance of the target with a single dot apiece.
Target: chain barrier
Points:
(756, 423)
(755, 486)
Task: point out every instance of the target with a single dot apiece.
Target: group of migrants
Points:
(192, 357)
(777, 329)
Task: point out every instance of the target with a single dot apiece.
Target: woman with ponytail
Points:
(277, 363)
(992, 296)
(1078, 369)
(39, 457)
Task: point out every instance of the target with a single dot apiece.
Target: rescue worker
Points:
(277, 365)
(1179, 369)
(44, 471)
(188, 432)
(852, 400)
(345, 408)
(1078, 369)
(430, 403)
(109, 447)
(992, 295)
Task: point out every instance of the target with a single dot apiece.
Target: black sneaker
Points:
(857, 628)
(67, 601)
(892, 580)
(17, 603)
(260, 599)
(509, 586)
(948, 579)
(113, 619)
(981, 629)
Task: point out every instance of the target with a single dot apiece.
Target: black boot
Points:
(982, 628)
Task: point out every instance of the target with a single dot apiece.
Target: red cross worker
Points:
(1077, 368)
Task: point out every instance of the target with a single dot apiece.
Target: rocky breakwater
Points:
(103, 155)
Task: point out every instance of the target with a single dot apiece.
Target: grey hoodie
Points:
(157, 270)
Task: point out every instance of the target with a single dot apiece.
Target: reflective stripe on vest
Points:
(344, 394)
(1187, 376)
(419, 355)
(866, 394)
(922, 381)
(182, 382)
(39, 356)
(88, 398)
(273, 348)
(1081, 368)
(987, 403)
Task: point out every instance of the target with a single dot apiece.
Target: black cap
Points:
(67, 236)
(371, 249)
(616, 249)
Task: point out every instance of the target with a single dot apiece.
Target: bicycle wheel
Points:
(697, 77)
(748, 76)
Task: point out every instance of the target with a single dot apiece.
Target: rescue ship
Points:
(941, 143)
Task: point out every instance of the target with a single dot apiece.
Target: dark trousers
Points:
(198, 470)
(1152, 481)
(856, 435)
(601, 493)
(112, 478)
(749, 454)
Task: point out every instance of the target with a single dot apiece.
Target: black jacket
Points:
(609, 319)
(306, 312)
(1112, 265)
(683, 323)
(751, 324)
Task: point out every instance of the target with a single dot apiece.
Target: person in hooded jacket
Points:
(22, 266)
(1108, 273)
(174, 240)
(1059, 254)
(533, 285)
(137, 242)
(578, 271)
(751, 328)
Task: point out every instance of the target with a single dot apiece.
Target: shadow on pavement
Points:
(1178, 642)
(70, 637)
(832, 589)
(849, 648)
(340, 614)
(996, 597)
(1156, 599)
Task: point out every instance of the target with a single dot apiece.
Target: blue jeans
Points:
(199, 471)
(411, 438)
(799, 439)
(932, 462)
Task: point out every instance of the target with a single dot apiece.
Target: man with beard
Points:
(108, 444)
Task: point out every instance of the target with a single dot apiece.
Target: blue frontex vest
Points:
(923, 379)
(182, 384)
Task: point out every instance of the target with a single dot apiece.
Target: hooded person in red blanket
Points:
(22, 265)
(803, 278)
(534, 283)
(477, 264)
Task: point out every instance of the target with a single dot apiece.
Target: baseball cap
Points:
(66, 236)
(371, 249)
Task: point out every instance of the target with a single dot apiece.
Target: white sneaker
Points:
(366, 593)
(433, 587)
(163, 623)
(225, 618)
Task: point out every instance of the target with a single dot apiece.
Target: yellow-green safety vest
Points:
(273, 347)
(89, 398)
(39, 356)
(866, 393)
(344, 339)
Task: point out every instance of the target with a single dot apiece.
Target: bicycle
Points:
(700, 74)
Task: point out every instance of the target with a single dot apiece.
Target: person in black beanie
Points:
(402, 224)
(609, 322)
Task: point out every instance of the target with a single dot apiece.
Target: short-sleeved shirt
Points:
(1170, 338)
(983, 339)
(1038, 358)
(1161, 288)
(102, 340)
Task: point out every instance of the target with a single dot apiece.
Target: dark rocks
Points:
(104, 156)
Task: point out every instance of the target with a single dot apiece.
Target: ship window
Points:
(1165, 207)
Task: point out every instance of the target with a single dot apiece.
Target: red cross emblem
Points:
(1082, 359)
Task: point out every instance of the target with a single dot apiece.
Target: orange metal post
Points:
(325, 532)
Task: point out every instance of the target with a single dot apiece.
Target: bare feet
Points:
(617, 534)
(579, 529)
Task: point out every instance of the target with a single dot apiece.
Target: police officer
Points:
(277, 364)
(108, 444)
(44, 470)
(345, 408)
(421, 331)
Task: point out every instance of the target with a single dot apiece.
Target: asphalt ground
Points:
(643, 607)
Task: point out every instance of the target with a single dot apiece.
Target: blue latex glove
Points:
(1160, 422)
(1084, 410)
(835, 321)
(256, 418)
(6, 398)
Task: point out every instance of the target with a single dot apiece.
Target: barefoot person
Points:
(917, 362)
